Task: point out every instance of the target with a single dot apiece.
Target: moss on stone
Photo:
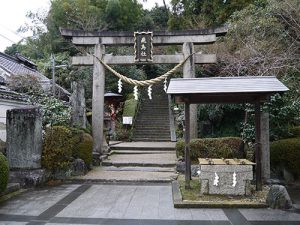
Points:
(4, 170)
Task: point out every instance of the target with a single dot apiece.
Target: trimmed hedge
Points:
(2, 147)
(285, 153)
(295, 131)
(57, 148)
(84, 149)
(4, 170)
(63, 144)
(226, 147)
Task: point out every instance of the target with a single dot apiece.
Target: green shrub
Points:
(57, 148)
(122, 134)
(2, 146)
(130, 107)
(227, 147)
(84, 149)
(295, 131)
(4, 170)
(285, 153)
(63, 144)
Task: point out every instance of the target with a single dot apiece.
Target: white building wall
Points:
(4, 106)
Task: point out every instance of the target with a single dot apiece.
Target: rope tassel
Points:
(150, 92)
(135, 93)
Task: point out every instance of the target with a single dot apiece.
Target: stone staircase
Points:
(152, 122)
(136, 162)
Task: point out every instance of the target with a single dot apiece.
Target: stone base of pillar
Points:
(96, 159)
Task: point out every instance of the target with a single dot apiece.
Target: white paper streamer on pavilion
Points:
(165, 85)
(119, 85)
(150, 92)
(234, 179)
(216, 180)
(135, 93)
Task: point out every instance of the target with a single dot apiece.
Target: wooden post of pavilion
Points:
(187, 157)
(258, 145)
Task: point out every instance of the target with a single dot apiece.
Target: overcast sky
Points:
(13, 15)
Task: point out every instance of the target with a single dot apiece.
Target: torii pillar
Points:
(98, 99)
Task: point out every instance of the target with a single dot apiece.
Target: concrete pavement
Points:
(124, 204)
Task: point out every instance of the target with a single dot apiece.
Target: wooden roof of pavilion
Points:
(225, 89)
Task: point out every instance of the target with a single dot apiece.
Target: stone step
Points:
(146, 164)
(158, 123)
(120, 151)
(153, 133)
(142, 160)
(152, 139)
(137, 168)
(132, 148)
(100, 175)
(156, 120)
(155, 128)
(149, 128)
(154, 115)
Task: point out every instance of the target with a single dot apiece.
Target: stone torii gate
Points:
(102, 39)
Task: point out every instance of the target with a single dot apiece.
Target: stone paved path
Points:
(124, 204)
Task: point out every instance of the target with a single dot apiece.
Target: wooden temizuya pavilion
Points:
(254, 90)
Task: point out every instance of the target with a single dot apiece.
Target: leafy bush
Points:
(2, 147)
(122, 134)
(227, 147)
(25, 83)
(4, 169)
(63, 144)
(295, 131)
(83, 146)
(57, 148)
(55, 112)
(285, 153)
(130, 107)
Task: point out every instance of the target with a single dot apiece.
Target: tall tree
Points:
(188, 14)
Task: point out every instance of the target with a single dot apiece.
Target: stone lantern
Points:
(112, 101)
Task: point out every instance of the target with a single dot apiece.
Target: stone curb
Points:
(134, 152)
(9, 195)
(179, 203)
(119, 182)
(124, 164)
